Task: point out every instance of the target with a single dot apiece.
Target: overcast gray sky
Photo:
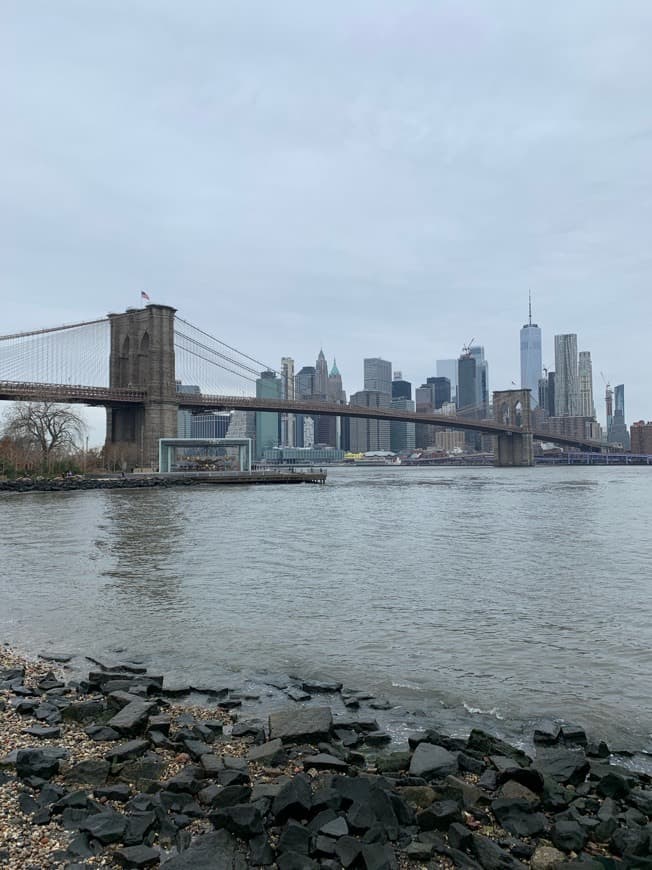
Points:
(371, 176)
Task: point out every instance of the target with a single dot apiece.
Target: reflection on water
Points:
(525, 592)
(140, 540)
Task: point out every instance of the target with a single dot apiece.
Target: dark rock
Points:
(293, 726)
(642, 799)
(119, 698)
(106, 827)
(463, 792)
(82, 846)
(492, 857)
(439, 815)
(243, 820)
(118, 792)
(516, 816)
(211, 764)
(323, 761)
(212, 691)
(393, 762)
(568, 836)
(486, 744)
(318, 686)
(378, 738)
(233, 777)
(294, 800)
(101, 733)
(383, 809)
(142, 772)
(126, 751)
(91, 772)
(377, 856)
(43, 732)
(563, 765)
(248, 728)
(27, 803)
(295, 838)
(614, 786)
(326, 798)
(418, 851)
(214, 851)
(459, 836)
(138, 826)
(432, 762)
(631, 842)
(160, 722)
(358, 724)
(573, 735)
(132, 718)
(597, 750)
(36, 763)
(489, 780)
(188, 779)
(530, 777)
(336, 828)
(348, 849)
(512, 789)
(470, 764)
(261, 853)
(82, 711)
(218, 796)
(325, 846)
(137, 856)
(360, 817)
(270, 753)
(295, 861)
(196, 748)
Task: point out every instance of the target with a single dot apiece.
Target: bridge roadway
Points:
(120, 397)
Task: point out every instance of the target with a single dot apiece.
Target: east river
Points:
(472, 595)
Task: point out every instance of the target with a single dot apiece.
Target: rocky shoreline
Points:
(112, 771)
(78, 482)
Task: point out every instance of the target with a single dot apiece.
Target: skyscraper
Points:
(370, 435)
(378, 375)
(467, 382)
(482, 379)
(618, 433)
(531, 364)
(447, 368)
(401, 389)
(268, 386)
(321, 377)
(441, 391)
(335, 392)
(288, 421)
(585, 374)
(304, 388)
(567, 390)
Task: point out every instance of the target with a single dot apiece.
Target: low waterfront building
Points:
(641, 437)
(303, 455)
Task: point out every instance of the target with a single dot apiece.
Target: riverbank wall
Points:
(137, 481)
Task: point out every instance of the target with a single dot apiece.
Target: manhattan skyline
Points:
(375, 181)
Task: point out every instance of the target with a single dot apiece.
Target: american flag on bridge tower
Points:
(144, 295)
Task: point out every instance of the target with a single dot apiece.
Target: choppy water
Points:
(520, 593)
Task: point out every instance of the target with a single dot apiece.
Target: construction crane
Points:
(466, 348)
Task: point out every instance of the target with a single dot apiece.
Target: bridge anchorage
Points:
(144, 346)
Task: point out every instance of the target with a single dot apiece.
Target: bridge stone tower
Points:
(513, 449)
(142, 356)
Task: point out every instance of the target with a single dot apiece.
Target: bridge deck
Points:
(112, 397)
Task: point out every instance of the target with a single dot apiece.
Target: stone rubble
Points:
(108, 772)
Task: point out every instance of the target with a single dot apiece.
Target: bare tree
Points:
(51, 430)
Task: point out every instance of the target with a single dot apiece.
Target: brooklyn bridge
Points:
(131, 363)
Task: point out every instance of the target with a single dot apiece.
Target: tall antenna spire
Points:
(529, 293)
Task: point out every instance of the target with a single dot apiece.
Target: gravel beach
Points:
(114, 771)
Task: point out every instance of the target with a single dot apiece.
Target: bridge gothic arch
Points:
(514, 448)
